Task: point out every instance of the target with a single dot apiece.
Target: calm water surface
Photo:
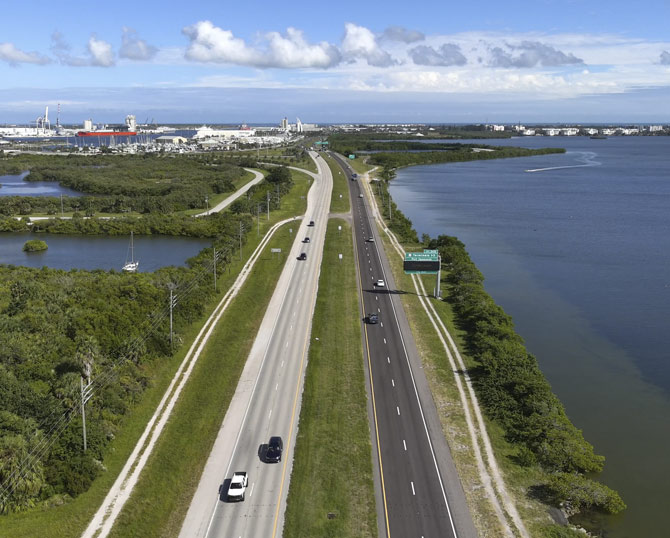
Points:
(99, 252)
(576, 247)
(16, 186)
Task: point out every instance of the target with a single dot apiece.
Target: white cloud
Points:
(664, 58)
(210, 43)
(134, 48)
(359, 42)
(13, 56)
(100, 53)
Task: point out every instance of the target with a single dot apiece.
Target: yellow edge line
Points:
(295, 404)
(372, 389)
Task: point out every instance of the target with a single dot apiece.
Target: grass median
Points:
(339, 200)
(331, 492)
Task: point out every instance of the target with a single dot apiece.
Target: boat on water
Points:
(131, 264)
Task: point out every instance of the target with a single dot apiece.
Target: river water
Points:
(15, 185)
(576, 248)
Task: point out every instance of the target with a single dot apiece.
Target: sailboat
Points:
(132, 265)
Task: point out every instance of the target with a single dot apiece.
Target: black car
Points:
(306, 240)
(275, 448)
(303, 256)
(373, 318)
(311, 223)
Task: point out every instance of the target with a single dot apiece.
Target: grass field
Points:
(70, 519)
(332, 470)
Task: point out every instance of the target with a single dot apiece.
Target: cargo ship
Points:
(129, 129)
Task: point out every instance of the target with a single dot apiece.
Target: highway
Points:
(267, 399)
(421, 495)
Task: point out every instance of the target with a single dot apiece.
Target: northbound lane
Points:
(421, 494)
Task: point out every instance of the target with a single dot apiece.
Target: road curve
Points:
(267, 399)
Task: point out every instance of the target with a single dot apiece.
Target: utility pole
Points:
(86, 393)
(268, 197)
(214, 252)
(240, 240)
(172, 305)
(258, 218)
(390, 214)
(61, 205)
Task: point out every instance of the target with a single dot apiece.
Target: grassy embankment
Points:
(519, 479)
(332, 471)
(169, 501)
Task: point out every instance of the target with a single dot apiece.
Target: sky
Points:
(482, 61)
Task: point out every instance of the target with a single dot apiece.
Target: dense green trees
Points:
(121, 183)
(57, 326)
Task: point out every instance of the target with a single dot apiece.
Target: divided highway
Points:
(267, 400)
(421, 495)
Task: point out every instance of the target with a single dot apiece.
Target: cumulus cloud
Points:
(100, 53)
(665, 58)
(210, 43)
(447, 55)
(13, 56)
(134, 48)
(398, 33)
(359, 42)
(532, 54)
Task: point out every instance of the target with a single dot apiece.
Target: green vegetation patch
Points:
(332, 469)
(34, 245)
(144, 183)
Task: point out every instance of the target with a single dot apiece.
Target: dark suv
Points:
(373, 318)
(275, 448)
(303, 256)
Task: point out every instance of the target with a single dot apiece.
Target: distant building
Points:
(167, 139)
(284, 124)
(495, 127)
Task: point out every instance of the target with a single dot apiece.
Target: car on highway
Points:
(372, 318)
(303, 256)
(275, 448)
(311, 223)
(238, 485)
(360, 195)
(380, 283)
(306, 240)
(370, 239)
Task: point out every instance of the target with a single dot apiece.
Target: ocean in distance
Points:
(576, 248)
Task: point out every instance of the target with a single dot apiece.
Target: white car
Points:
(238, 485)
(380, 283)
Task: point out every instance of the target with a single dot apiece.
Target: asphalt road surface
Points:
(421, 495)
(267, 400)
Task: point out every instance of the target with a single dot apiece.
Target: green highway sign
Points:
(426, 262)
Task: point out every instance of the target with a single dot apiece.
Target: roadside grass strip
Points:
(331, 490)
